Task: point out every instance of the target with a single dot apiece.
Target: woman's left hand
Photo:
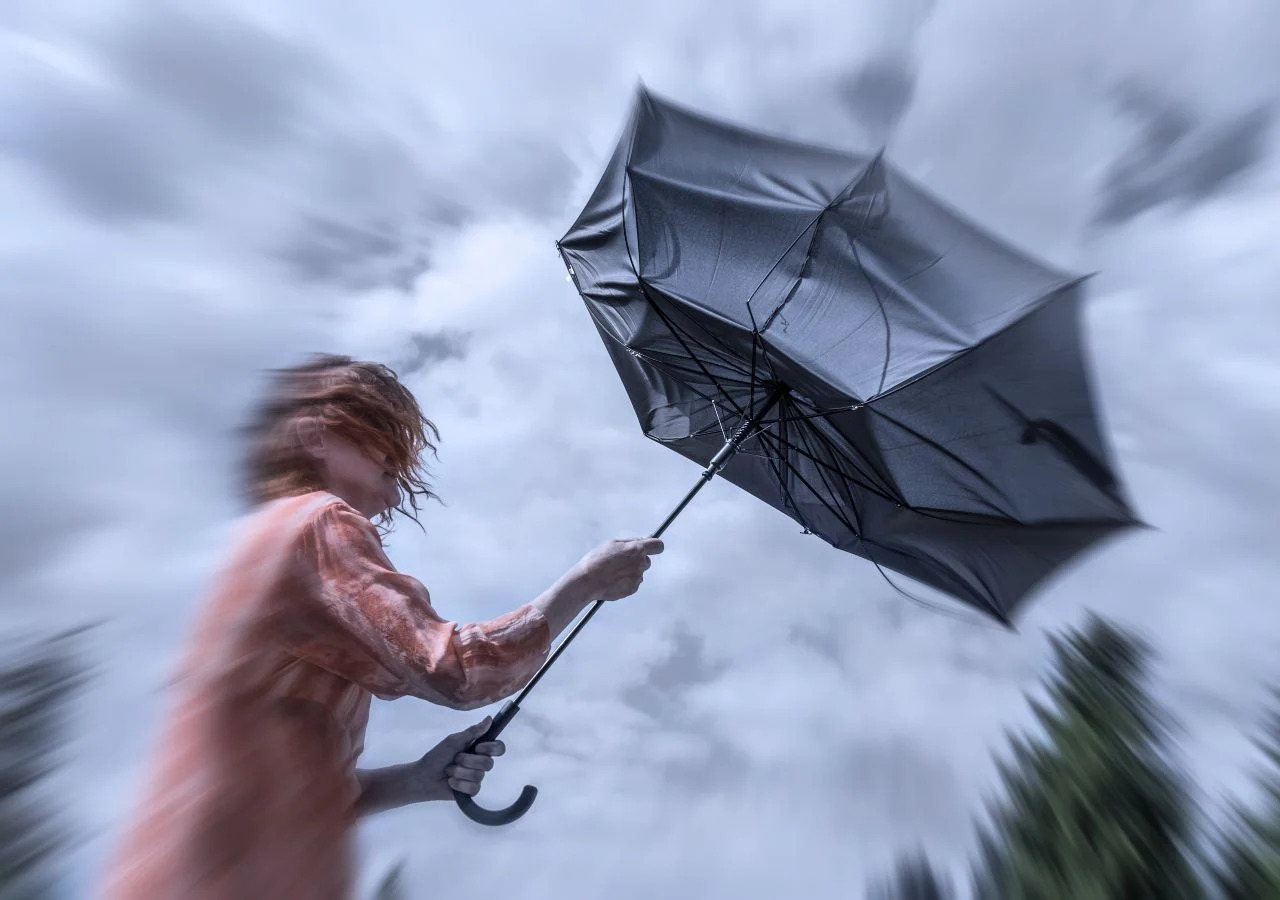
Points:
(448, 767)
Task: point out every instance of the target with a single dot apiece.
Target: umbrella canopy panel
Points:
(938, 419)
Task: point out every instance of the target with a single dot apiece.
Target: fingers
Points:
(463, 773)
(470, 788)
(648, 546)
(464, 779)
(468, 769)
(476, 761)
(617, 569)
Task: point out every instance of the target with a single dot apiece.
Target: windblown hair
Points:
(362, 401)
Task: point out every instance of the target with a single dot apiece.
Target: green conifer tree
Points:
(1093, 810)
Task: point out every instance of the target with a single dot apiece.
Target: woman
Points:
(255, 791)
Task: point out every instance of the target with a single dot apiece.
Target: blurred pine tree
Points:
(36, 683)
(1249, 868)
(1094, 810)
(914, 878)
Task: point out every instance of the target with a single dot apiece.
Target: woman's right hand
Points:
(616, 568)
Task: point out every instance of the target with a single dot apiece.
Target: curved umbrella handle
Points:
(473, 810)
(477, 813)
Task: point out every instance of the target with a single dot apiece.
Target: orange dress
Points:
(254, 789)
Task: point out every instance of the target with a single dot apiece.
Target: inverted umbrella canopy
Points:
(933, 410)
(831, 339)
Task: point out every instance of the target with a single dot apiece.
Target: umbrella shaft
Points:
(707, 474)
(511, 707)
(721, 458)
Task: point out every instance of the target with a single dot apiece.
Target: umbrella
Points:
(848, 349)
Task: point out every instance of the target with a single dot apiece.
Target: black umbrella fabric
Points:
(935, 413)
(830, 338)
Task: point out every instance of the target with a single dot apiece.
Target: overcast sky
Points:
(197, 192)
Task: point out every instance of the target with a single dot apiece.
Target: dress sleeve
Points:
(354, 615)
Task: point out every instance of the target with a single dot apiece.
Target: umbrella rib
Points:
(939, 445)
(777, 262)
(719, 424)
(653, 361)
(836, 512)
(884, 315)
(751, 397)
(816, 225)
(822, 413)
(812, 222)
(758, 332)
(760, 352)
(1056, 292)
(940, 448)
(871, 545)
(698, 362)
(808, 255)
(870, 481)
(731, 362)
(784, 433)
(870, 487)
(867, 485)
(822, 468)
(807, 452)
(644, 292)
(915, 434)
(780, 472)
(724, 354)
(939, 515)
(681, 374)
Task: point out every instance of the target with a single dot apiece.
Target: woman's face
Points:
(367, 483)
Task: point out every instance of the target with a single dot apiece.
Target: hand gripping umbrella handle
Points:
(473, 810)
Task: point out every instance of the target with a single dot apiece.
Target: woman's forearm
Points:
(393, 787)
(561, 603)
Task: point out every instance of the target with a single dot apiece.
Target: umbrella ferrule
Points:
(726, 452)
(743, 431)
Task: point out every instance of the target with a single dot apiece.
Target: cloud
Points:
(431, 348)
(240, 82)
(659, 695)
(879, 94)
(80, 138)
(398, 201)
(158, 98)
(349, 256)
(1176, 158)
(176, 114)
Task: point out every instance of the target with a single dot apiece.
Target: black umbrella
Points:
(849, 350)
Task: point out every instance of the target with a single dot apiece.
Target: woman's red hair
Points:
(363, 401)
